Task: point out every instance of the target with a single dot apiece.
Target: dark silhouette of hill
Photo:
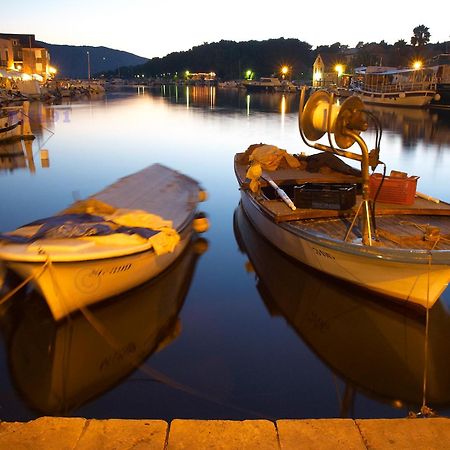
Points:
(71, 61)
(230, 60)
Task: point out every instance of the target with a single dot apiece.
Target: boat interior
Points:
(423, 225)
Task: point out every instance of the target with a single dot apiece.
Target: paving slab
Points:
(319, 433)
(222, 434)
(117, 434)
(45, 433)
(432, 433)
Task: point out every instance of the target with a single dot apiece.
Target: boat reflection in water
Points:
(375, 348)
(19, 156)
(415, 124)
(57, 367)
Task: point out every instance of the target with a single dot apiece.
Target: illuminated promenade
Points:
(64, 433)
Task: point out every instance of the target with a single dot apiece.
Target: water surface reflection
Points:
(58, 366)
(233, 350)
(375, 349)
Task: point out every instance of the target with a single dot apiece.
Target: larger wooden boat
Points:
(373, 346)
(395, 87)
(119, 238)
(399, 250)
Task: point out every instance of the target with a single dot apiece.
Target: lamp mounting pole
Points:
(88, 65)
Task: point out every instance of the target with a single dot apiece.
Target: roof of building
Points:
(25, 40)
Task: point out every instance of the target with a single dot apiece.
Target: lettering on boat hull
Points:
(89, 280)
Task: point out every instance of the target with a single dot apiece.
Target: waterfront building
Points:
(6, 54)
(21, 53)
(326, 71)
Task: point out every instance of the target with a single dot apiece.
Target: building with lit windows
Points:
(20, 52)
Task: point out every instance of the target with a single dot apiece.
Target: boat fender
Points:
(202, 195)
(200, 223)
(437, 97)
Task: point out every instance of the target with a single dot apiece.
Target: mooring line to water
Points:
(425, 410)
(158, 376)
(24, 283)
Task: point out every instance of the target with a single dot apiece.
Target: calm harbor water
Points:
(234, 329)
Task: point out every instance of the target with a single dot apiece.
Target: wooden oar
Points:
(280, 192)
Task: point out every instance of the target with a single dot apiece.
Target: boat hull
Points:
(419, 283)
(68, 286)
(418, 99)
(15, 123)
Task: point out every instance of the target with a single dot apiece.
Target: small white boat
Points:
(93, 350)
(395, 87)
(15, 123)
(150, 216)
(398, 250)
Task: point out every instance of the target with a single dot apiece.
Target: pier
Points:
(84, 434)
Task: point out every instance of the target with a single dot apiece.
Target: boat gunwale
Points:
(55, 259)
(416, 256)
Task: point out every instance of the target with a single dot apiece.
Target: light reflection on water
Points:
(236, 351)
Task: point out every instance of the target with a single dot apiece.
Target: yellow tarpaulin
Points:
(163, 242)
(267, 157)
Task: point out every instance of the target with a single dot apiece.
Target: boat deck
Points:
(156, 189)
(410, 232)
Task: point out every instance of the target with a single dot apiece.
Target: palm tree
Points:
(421, 36)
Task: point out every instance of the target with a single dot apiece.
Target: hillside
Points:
(72, 61)
(229, 59)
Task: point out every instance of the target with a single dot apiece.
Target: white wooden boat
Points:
(15, 123)
(396, 87)
(93, 351)
(72, 272)
(401, 251)
(264, 84)
(366, 340)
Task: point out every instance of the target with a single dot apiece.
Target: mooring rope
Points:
(24, 283)
(425, 410)
(158, 376)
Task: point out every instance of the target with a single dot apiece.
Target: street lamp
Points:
(339, 68)
(284, 71)
(88, 65)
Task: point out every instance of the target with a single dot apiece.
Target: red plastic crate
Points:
(394, 189)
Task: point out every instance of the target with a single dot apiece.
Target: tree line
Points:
(231, 60)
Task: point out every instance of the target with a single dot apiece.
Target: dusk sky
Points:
(156, 28)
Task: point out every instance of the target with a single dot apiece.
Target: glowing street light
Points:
(284, 71)
(249, 74)
(417, 65)
(339, 68)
